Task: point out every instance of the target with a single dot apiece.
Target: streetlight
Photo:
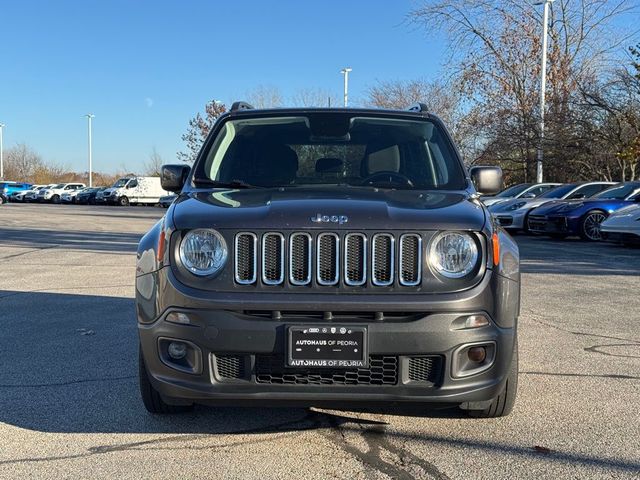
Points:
(543, 84)
(1, 153)
(89, 117)
(345, 71)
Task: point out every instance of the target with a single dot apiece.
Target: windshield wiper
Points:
(232, 184)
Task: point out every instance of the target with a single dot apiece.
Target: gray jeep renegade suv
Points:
(328, 257)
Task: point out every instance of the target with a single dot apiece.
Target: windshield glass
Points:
(558, 192)
(332, 149)
(619, 192)
(120, 183)
(59, 185)
(514, 190)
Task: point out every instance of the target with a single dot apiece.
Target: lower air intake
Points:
(383, 370)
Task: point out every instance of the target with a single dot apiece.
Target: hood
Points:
(527, 203)
(335, 208)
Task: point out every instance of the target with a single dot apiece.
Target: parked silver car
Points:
(522, 190)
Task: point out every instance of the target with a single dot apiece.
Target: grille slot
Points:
(300, 259)
(355, 259)
(382, 259)
(246, 257)
(383, 370)
(410, 254)
(273, 258)
(328, 259)
(230, 366)
(425, 369)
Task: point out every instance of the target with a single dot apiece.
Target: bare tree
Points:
(495, 50)
(153, 167)
(22, 162)
(199, 127)
(265, 96)
(314, 97)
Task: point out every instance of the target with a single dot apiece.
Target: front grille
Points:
(383, 370)
(424, 369)
(328, 259)
(230, 366)
(537, 222)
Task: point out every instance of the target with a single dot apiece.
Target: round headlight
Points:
(453, 254)
(203, 252)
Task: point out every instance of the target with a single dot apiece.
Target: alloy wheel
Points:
(591, 225)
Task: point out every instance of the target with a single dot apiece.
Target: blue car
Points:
(583, 217)
(7, 188)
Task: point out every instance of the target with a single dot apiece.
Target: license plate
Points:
(330, 346)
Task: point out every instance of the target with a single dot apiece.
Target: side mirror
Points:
(529, 195)
(173, 177)
(579, 196)
(487, 180)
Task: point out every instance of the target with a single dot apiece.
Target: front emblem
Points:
(340, 219)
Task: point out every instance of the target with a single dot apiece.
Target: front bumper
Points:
(511, 221)
(230, 329)
(553, 224)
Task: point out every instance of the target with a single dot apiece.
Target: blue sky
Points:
(145, 67)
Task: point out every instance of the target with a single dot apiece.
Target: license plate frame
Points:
(327, 346)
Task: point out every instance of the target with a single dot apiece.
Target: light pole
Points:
(543, 84)
(1, 153)
(345, 71)
(89, 118)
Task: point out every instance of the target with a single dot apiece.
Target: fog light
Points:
(477, 354)
(177, 350)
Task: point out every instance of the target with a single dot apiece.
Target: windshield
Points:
(121, 183)
(514, 190)
(332, 149)
(619, 192)
(559, 192)
(59, 185)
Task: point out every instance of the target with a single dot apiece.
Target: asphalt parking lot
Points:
(69, 404)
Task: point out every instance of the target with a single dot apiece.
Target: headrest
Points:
(383, 160)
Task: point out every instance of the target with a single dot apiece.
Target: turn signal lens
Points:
(495, 241)
(178, 317)
(161, 242)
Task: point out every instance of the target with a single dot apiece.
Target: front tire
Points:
(123, 201)
(590, 225)
(152, 400)
(502, 405)
(55, 199)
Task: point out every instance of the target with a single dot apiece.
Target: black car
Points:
(88, 196)
(328, 257)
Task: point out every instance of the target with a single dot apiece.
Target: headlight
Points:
(203, 252)
(516, 206)
(453, 254)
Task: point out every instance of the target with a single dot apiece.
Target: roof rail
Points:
(241, 106)
(418, 107)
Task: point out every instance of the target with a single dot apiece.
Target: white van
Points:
(133, 190)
